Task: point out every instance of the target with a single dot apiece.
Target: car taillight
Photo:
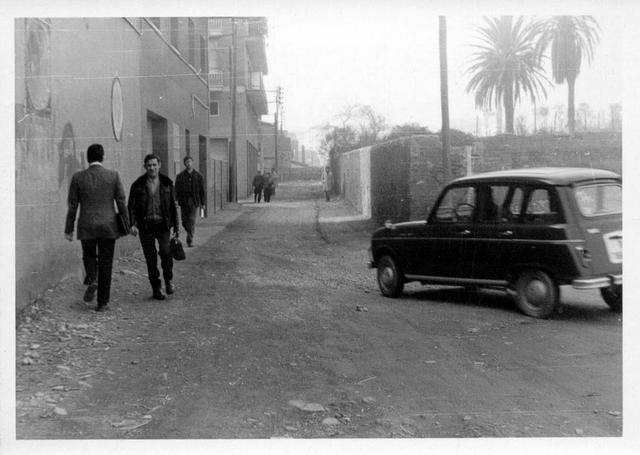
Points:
(584, 255)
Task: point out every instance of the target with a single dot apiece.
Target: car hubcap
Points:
(387, 276)
(536, 292)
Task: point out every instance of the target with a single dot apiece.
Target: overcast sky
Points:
(326, 58)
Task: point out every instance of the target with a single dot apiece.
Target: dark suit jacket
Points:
(190, 195)
(138, 200)
(94, 190)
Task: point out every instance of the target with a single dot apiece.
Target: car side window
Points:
(457, 205)
(513, 208)
(492, 200)
(541, 207)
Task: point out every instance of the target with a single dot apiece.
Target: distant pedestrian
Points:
(153, 213)
(268, 187)
(191, 197)
(327, 182)
(258, 185)
(276, 179)
(94, 190)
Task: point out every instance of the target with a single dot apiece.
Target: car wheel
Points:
(390, 278)
(613, 297)
(537, 294)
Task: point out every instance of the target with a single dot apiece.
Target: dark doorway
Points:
(202, 155)
(159, 138)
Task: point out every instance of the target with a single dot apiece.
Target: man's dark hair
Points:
(95, 152)
(151, 156)
(184, 161)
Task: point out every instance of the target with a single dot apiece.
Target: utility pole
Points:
(275, 124)
(444, 99)
(233, 161)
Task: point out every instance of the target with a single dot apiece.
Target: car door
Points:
(499, 209)
(443, 246)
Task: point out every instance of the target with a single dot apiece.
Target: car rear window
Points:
(600, 199)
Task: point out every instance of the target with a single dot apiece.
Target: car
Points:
(527, 231)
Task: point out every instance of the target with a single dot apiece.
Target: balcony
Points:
(255, 43)
(216, 80)
(256, 94)
(217, 26)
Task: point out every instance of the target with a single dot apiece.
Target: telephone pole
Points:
(233, 161)
(444, 98)
(275, 124)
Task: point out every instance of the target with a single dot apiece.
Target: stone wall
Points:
(597, 150)
(289, 174)
(406, 175)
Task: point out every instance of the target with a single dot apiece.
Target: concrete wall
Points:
(65, 70)
(406, 175)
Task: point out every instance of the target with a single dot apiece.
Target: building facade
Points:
(285, 152)
(135, 85)
(237, 57)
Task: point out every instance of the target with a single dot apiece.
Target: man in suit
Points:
(190, 193)
(153, 213)
(94, 190)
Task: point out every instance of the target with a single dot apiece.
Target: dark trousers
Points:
(148, 237)
(327, 195)
(189, 215)
(97, 257)
(267, 194)
(257, 194)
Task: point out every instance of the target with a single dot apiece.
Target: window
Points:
(596, 200)
(457, 205)
(192, 44)
(514, 208)
(203, 55)
(213, 108)
(187, 142)
(541, 207)
(175, 27)
(492, 198)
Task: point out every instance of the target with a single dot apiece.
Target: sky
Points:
(389, 58)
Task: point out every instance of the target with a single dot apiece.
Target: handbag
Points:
(177, 252)
(123, 225)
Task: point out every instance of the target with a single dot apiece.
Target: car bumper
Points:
(600, 282)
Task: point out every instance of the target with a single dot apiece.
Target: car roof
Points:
(549, 175)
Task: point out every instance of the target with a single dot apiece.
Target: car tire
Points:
(390, 279)
(537, 295)
(613, 297)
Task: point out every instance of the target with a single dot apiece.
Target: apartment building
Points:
(135, 85)
(237, 57)
(268, 145)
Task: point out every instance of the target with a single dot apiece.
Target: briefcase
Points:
(177, 252)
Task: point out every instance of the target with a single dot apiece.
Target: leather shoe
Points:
(158, 295)
(90, 293)
(102, 307)
(170, 288)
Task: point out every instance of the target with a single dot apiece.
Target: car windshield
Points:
(600, 199)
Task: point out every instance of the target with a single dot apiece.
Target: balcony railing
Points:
(257, 26)
(217, 26)
(255, 81)
(216, 80)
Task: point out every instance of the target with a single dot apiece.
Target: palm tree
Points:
(572, 39)
(506, 64)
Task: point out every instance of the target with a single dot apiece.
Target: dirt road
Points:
(277, 329)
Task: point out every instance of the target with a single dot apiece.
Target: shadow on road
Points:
(569, 310)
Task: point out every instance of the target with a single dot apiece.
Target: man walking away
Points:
(275, 179)
(190, 193)
(153, 213)
(327, 182)
(268, 186)
(95, 189)
(258, 184)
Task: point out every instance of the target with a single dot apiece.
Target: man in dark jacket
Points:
(258, 183)
(153, 213)
(190, 193)
(94, 190)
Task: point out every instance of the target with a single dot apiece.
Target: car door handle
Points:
(506, 233)
(464, 232)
